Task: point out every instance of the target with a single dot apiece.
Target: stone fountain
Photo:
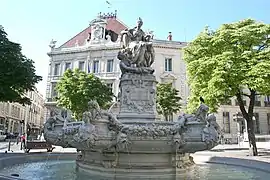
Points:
(134, 143)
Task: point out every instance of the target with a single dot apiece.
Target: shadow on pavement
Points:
(247, 163)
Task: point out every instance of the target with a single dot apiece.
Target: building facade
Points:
(233, 127)
(14, 117)
(94, 50)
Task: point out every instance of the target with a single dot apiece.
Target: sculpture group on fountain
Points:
(138, 53)
(135, 128)
(85, 131)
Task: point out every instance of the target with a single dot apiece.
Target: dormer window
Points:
(112, 34)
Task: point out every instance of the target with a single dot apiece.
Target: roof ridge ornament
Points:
(107, 15)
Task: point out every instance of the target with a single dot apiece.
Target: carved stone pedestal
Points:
(123, 165)
(137, 98)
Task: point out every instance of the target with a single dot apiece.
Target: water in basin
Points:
(66, 170)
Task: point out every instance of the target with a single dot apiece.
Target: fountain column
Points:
(137, 98)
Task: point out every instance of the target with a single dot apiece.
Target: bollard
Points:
(9, 143)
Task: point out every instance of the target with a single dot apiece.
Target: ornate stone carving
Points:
(178, 141)
(112, 142)
(149, 130)
(138, 53)
(210, 133)
(121, 142)
(53, 119)
(138, 94)
(202, 112)
(182, 161)
(107, 164)
(97, 32)
(93, 113)
(199, 116)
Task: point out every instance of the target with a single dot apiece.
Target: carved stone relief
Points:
(137, 94)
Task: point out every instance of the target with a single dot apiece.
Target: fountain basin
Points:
(43, 166)
(109, 147)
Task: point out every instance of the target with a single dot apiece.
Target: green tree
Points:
(17, 73)
(168, 101)
(77, 88)
(233, 61)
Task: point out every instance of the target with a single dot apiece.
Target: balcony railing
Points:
(51, 99)
(107, 74)
(115, 74)
(54, 77)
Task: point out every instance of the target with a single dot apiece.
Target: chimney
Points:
(169, 36)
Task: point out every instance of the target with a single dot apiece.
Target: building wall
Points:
(102, 53)
(262, 119)
(13, 114)
(164, 49)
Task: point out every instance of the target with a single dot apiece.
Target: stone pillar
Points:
(137, 98)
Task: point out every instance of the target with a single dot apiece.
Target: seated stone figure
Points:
(126, 65)
(137, 48)
(94, 113)
(202, 112)
(212, 120)
(53, 119)
(211, 132)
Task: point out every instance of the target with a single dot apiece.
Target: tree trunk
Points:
(248, 116)
(166, 117)
(251, 138)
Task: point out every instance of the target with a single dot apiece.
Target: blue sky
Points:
(33, 23)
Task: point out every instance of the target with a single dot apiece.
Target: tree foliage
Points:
(17, 73)
(76, 88)
(232, 61)
(168, 101)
